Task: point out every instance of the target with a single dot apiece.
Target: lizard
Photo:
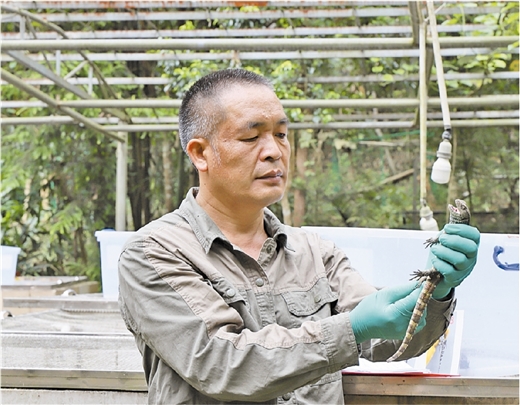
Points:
(459, 214)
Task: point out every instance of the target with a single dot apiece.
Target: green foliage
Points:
(343, 185)
(50, 179)
(503, 23)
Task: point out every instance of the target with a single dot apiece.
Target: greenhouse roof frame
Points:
(235, 44)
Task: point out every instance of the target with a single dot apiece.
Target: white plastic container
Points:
(9, 262)
(110, 244)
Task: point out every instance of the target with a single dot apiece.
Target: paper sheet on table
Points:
(396, 367)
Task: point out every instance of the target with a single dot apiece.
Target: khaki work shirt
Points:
(214, 325)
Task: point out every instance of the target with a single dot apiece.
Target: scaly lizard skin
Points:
(459, 214)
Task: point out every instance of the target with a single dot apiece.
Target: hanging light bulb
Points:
(427, 222)
(441, 169)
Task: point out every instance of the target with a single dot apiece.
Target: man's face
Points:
(250, 160)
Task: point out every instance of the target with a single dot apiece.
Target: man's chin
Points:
(273, 198)
(266, 196)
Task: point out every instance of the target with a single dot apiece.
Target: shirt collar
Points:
(207, 231)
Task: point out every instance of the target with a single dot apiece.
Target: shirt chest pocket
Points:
(313, 304)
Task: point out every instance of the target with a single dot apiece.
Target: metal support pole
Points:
(481, 121)
(22, 28)
(255, 55)
(423, 109)
(427, 222)
(416, 19)
(58, 62)
(90, 78)
(382, 103)
(200, 44)
(73, 72)
(121, 182)
(257, 44)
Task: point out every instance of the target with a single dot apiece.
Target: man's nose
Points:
(271, 148)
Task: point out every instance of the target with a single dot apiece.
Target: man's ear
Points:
(196, 151)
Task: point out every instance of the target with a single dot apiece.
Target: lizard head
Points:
(459, 211)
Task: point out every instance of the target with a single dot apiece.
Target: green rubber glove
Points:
(454, 256)
(386, 313)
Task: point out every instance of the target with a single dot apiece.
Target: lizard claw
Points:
(419, 276)
(430, 242)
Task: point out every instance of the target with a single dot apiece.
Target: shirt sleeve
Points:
(172, 308)
(352, 288)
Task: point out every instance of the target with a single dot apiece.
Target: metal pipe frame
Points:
(415, 17)
(383, 103)
(207, 14)
(15, 81)
(115, 4)
(245, 32)
(58, 80)
(341, 125)
(123, 128)
(232, 55)
(372, 78)
(274, 44)
(57, 29)
(379, 117)
(121, 181)
(468, 103)
(201, 44)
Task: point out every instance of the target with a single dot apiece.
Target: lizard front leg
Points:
(431, 241)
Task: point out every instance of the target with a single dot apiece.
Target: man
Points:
(228, 304)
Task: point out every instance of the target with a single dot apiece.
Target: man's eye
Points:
(250, 139)
(281, 135)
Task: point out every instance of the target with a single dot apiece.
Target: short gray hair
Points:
(200, 111)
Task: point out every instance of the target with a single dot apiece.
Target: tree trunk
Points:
(139, 180)
(167, 173)
(181, 175)
(286, 205)
(299, 193)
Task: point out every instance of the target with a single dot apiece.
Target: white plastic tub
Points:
(110, 244)
(9, 262)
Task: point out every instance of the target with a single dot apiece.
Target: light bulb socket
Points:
(444, 151)
(425, 212)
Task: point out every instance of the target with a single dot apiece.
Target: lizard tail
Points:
(412, 326)
(418, 311)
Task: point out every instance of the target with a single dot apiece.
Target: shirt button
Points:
(317, 299)
(230, 293)
(286, 397)
(259, 282)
